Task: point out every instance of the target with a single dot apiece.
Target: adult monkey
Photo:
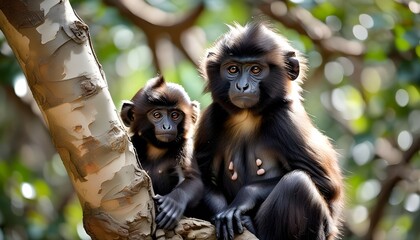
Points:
(263, 163)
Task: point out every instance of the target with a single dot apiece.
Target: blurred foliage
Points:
(368, 103)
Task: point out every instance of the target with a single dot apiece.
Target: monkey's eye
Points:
(232, 69)
(175, 115)
(255, 70)
(157, 115)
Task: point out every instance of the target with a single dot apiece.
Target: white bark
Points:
(54, 50)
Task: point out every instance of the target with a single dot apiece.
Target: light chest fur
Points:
(243, 125)
(154, 153)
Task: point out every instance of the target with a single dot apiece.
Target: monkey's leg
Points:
(294, 210)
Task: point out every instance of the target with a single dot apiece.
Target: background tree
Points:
(363, 91)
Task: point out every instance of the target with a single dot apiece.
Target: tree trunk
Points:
(53, 47)
(54, 50)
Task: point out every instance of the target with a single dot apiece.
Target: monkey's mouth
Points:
(166, 137)
(244, 101)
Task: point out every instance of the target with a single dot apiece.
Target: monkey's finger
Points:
(159, 218)
(237, 219)
(167, 225)
(170, 218)
(167, 205)
(247, 222)
(228, 216)
(217, 225)
(161, 214)
(225, 232)
(163, 211)
(166, 222)
(157, 198)
(174, 220)
(161, 204)
(159, 207)
(159, 224)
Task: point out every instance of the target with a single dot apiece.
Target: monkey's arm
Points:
(213, 198)
(205, 143)
(171, 207)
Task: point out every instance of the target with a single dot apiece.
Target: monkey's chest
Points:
(165, 175)
(245, 161)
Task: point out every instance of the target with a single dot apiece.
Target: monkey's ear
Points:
(195, 111)
(127, 113)
(292, 65)
(156, 82)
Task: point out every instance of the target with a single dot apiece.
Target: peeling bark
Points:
(53, 47)
(196, 229)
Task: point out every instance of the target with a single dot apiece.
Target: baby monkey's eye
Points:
(175, 115)
(157, 115)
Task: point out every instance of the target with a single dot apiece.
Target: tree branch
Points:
(306, 24)
(395, 174)
(157, 24)
(196, 229)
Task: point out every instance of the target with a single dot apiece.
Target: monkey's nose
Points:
(242, 88)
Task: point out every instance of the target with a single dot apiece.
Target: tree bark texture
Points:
(53, 47)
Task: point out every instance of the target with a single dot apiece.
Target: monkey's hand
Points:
(234, 218)
(231, 221)
(169, 211)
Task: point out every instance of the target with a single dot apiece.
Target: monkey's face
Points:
(244, 77)
(165, 121)
(249, 68)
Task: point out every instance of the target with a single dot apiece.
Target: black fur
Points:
(299, 194)
(175, 175)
